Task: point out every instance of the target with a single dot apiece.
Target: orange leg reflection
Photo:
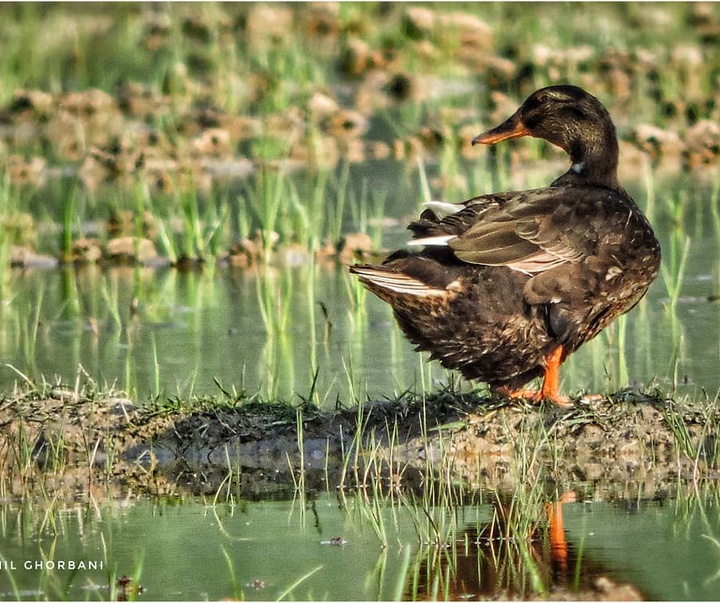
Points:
(558, 544)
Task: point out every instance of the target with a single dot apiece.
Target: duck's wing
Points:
(571, 241)
(529, 231)
(533, 232)
(442, 219)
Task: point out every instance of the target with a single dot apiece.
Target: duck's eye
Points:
(531, 121)
(534, 102)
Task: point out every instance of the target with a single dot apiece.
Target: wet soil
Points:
(627, 443)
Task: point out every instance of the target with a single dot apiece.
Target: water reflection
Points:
(158, 332)
(558, 548)
(508, 558)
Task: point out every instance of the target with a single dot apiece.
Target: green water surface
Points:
(264, 550)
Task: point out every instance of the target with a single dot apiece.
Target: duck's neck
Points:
(594, 161)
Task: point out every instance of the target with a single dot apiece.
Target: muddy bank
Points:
(628, 440)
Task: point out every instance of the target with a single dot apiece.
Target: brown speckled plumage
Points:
(508, 285)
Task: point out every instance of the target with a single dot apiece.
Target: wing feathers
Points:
(531, 231)
(399, 282)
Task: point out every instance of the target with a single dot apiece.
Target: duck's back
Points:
(573, 242)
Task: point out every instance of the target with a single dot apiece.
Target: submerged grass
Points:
(695, 426)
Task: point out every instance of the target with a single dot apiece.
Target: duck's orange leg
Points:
(551, 383)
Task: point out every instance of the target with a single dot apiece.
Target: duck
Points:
(505, 286)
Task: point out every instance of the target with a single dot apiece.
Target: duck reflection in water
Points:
(495, 560)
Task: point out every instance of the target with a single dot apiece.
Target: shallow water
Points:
(193, 329)
(165, 332)
(190, 550)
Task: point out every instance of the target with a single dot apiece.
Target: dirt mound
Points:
(72, 439)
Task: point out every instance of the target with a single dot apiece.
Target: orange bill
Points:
(512, 128)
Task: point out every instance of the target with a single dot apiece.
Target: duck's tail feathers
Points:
(376, 277)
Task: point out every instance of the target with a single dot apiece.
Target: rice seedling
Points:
(607, 356)
(673, 279)
(9, 215)
(714, 209)
(197, 233)
(299, 483)
(157, 383)
(69, 215)
(237, 591)
(202, 236)
(310, 303)
(267, 203)
(371, 503)
(640, 345)
(435, 523)
(674, 273)
(403, 575)
(337, 213)
(357, 294)
(358, 207)
(171, 250)
(289, 590)
(356, 387)
(274, 292)
(694, 502)
(129, 377)
(110, 293)
(30, 332)
(232, 477)
(699, 445)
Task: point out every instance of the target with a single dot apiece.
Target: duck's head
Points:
(569, 118)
